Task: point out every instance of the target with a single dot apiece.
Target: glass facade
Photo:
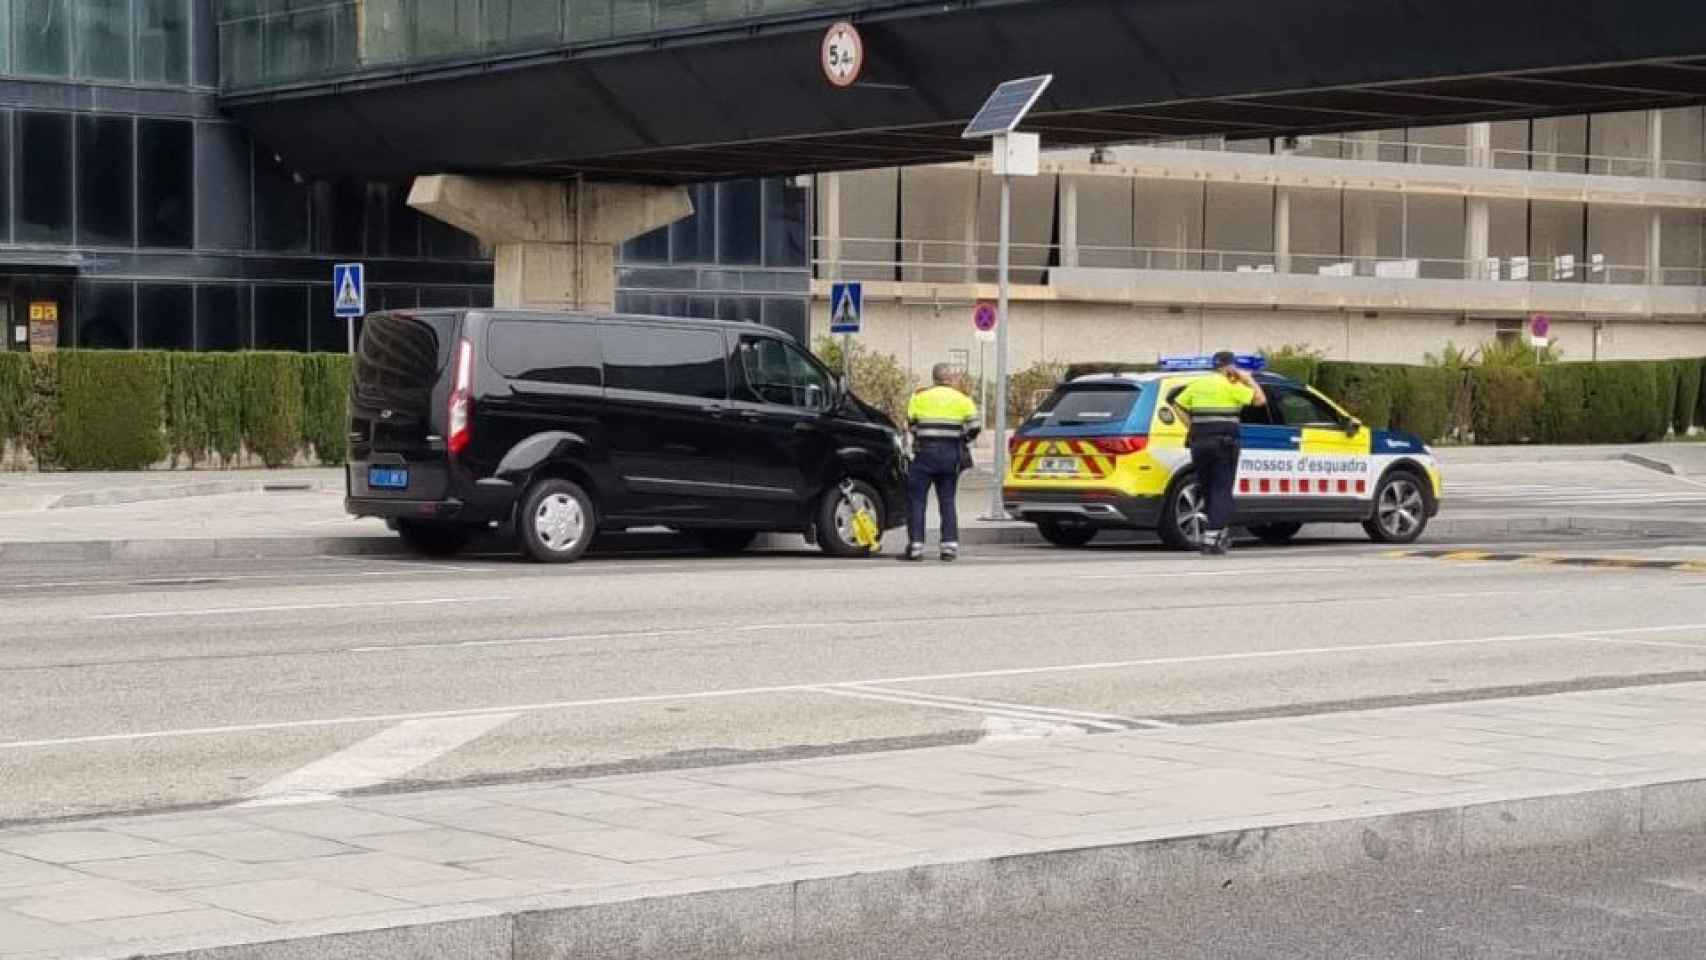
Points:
(280, 42)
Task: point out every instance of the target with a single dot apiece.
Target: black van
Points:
(571, 424)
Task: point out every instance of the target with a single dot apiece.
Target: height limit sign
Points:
(983, 320)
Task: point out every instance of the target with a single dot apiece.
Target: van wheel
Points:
(434, 539)
(835, 518)
(556, 522)
(1400, 509)
(725, 541)
(1276, 533)
(1066, 534)
(1184, 514)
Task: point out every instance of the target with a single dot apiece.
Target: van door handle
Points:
(804, 427)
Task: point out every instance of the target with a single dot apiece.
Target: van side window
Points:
(775, 372)
(565, 353)
(668, 360)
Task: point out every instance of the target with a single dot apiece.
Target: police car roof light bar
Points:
(1244, 361)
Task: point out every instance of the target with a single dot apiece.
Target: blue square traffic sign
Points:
(349, 290)
(846, 306)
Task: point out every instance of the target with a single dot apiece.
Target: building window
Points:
(40, 37)
(281, 317)
(740, 222)
(165, 317)
(222, 317)
(222, 185)
(162, 41)
(101, 37)
(44, 178)
(784, 224)
(105, 316)
(281, 208)
(166, 155)
(105, 184)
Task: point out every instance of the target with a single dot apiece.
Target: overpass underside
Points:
(747, 97)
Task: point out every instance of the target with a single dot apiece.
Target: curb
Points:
(179, 491)
(775, 913)
(973, 534)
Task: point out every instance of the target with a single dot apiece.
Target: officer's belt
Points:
(1214, 418)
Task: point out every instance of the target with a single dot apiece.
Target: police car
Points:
(1108, 452)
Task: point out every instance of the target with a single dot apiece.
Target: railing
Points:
(952, 262)
(1460, 155)
(261, 45)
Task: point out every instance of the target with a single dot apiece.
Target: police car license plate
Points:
(1057, 466)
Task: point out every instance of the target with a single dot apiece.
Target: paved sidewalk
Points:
(726, 860)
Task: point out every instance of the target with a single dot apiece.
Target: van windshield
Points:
(1082, 404)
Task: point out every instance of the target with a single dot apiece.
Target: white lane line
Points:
(210, 580)
(1236, 572)
(1650, 643)
(733, 693)
(1049, 712)
(384, 756)
(293, 608)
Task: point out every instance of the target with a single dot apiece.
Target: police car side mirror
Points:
(1353, 426)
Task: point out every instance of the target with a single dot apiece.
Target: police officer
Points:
(944, 421)
(1215, 404)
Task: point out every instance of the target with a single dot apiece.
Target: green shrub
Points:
(878, 378)
(204, 406)
(15, 389)
(1620, 401)
(1426, 401)
(1299, 361)
(1688, 374)
(1075, 370)
(325, 397)
(272, 406)
(1506, 404)
(1030, 387)
(1370, 391)
(1563, 413)
(111, 408)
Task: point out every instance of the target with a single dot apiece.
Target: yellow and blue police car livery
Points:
(1109, 452)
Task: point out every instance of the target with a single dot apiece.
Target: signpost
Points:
(1540, 333)
(44, 325)
(984, 320)
(846, 313)
(843, 54)
(349, 295)
(1015, 155)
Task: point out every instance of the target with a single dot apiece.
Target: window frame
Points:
(752, 392)
(1277, 398)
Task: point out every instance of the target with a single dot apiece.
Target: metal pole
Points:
(997, 509)
(351, 322)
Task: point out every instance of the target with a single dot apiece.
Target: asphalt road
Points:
(1637, 900)
(131, 688)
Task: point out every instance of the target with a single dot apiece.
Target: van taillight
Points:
(461, 426)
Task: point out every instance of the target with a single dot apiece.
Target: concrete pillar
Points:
(1477, 219)
(1282, 230)
(970, 235)
(1655, 217)
(554, 241)
(1068, 221)
(832, 224)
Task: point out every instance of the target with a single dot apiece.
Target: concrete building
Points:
(1380, 246)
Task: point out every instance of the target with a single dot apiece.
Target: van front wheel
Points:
(835, 517)
(556, 522)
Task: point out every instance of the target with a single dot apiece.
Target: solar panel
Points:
(1006, 107)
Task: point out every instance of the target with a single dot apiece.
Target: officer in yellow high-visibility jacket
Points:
(1215, 405)
(944, 421)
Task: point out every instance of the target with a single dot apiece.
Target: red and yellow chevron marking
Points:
(1091, 461)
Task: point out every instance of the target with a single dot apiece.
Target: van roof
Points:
(743, 325)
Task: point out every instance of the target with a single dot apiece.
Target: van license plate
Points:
(1057, 466)
(387, 478)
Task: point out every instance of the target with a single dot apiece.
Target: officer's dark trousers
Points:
(1215, 456)
(935, 463)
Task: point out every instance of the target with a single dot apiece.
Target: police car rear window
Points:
(1082, 404)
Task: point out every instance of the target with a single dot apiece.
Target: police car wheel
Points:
(835, 517)
(1276, 533)
(1400, 509)
(1184, 514)
(1066, 534)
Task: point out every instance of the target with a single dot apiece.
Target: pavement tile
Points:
(567, 871)
(177, 825)
(1109, 779)
(178, 871)
(515, 823)
(577, 800)
(370, 871)
(1582, 768)
(21, 934)
(629, 846)
(953, 838)
(260, 845)
(854, 821)
(73, 846)
(1241, 782)
(723, 864)
(1015, 820)
(783, 782)
(423, 805)
(182, 924)
(809, 843)
(336, 823)
(447, 846)
(461, 891)
(291, 901)
(680, 821)
(23, 873)
(105, 903)
(730, 800)
(899, 800)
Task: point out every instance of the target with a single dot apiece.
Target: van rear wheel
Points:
(556, 522)
(434, 539)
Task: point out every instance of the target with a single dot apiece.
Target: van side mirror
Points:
(814, 396)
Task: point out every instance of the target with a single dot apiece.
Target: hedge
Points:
(127, 410)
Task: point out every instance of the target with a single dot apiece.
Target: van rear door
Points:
(398, 395)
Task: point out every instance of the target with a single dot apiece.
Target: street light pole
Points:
(998, 509)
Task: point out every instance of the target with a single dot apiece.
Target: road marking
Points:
(817, 687)
(1095, 722)
(1238, 572)
(214, 579)
(1556, 560)
(293, 608)
(1062, 712)
(384, 756)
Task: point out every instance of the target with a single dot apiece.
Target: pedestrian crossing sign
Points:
(349, 292)
(846, 305)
